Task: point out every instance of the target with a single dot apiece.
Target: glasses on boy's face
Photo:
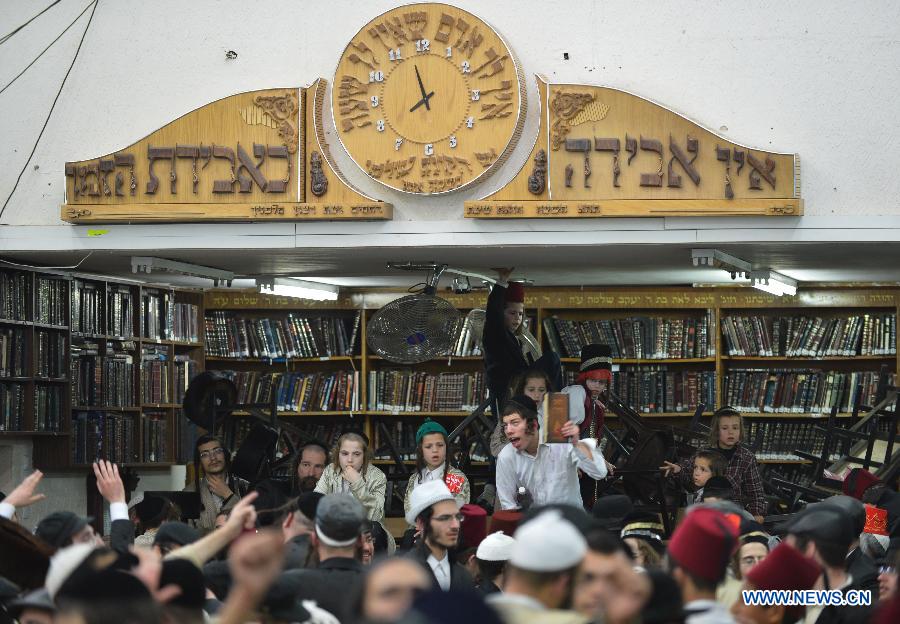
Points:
(887, 570)
(448, 517)
(216, 451)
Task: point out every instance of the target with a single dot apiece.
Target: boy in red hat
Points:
(784, 569)
(699, 552)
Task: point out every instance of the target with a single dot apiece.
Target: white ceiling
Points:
(603, 265)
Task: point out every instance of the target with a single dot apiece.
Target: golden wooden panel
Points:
(428, 98)
(271, 211)
(241, 149)
(552, 209)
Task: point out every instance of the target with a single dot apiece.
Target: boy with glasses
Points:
(436, 516)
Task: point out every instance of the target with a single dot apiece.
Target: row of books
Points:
(185, 370)
(804, 336)
(665, 391)
(120, 316)
(154, 438)
(650, 338)
(48, 408)
(102, 380)
(87, 307)
(13, 361)
(778, 439)
(12, 406)
(158, 314)
(410, 391)
(799, 391)
(102, 435)
(299, 392)
(292, 336)
(50, 302)
(186, 327)
(14, 295)
(155, 375)
(49, 354)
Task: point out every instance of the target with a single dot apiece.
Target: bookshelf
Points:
(674, 341)
(72, 372)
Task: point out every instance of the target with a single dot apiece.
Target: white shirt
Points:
(441, 570)
(707, 612)
(429, 475)
(551, 476)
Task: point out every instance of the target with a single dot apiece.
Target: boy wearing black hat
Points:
(548, 472)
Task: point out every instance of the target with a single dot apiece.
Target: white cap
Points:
(424, 496)
(548, 543)
(63, 563)
(495, 547)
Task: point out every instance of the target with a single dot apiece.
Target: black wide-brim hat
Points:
(644, 526)
(595, 357)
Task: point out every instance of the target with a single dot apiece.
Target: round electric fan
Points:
(417, 327)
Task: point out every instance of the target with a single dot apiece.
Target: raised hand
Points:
(109, 483)
(242, 516)
(670, 468)
(255, 561)
(24, 495)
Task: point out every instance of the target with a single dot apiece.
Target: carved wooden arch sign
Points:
(255, 156)
(602, 152)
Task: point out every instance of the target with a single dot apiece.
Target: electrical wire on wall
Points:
(53, 105)
(10, 35)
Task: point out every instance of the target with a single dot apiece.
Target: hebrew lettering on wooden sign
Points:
(670, 165)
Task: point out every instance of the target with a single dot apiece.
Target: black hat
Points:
(308, 502)
(522, 400)
(177, 533)
(58, 528)
(850, 506)
(150, 509)
(719, 487)
(595, 357)
(644, 526)
(189, 578)
(281, 602)
(37, 599)
(822, 522)
(25, 558)
(339, 520)
(753, 531)
(610, 511)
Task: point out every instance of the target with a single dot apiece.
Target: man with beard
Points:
(311, 461)
(219, 490)
(436, 516)
(541, 571)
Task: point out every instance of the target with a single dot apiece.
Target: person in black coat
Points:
(436, 516)
(504, 356)
(337, 541)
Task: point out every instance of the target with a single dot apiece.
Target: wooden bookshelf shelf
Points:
(830, 358)
(663, 414)
(277, 360)
(707, 360)
(783, 461)
(160, 405)
(16, 379)
(808, 416)
(94, 408)
(414, 414)
(182, 343)
(312, 413)
(51, 379)
(443, 358)
(29, 434)
(54, 327)
(16, 322)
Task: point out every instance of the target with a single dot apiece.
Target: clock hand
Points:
(425, 96)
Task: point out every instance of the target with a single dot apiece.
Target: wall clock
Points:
(428, 98)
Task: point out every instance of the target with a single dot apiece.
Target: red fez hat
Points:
(505, 521)
(784, 568)
(876, 520)
(474, 526)
(515, 293)
(857, 482)
(703, 544)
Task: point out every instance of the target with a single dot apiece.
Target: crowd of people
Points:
(542, 543)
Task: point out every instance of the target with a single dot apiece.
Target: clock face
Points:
(427, 99)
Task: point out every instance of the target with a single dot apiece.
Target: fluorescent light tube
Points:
(297, 288)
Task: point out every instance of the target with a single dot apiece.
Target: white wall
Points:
(813, 77)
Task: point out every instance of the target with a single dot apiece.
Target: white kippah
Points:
(495, 547)
(424, 496)
(63, 563)
(548, 543)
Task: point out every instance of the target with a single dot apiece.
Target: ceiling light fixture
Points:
(148, 264)
(297, 288)
(773, 282)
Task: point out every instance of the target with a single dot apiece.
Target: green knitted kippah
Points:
(429, 426)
